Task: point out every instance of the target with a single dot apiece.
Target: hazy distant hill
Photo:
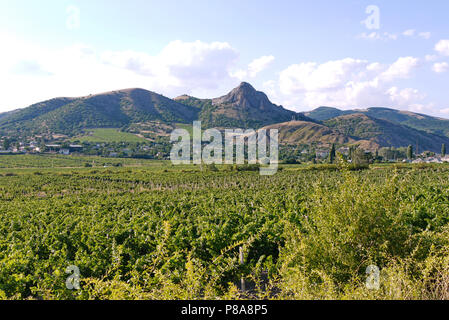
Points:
(385, 133)
(326, 113)
(417, 121)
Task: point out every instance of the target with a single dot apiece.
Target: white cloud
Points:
(431, 57)
(425, 35)
(31, 73)
(444, 111)
(442, 47)
(259, 65)
(401, 69)
(413, 33)
(29, 67)
(327, 76)
(378, 36)
(345, 83)
(409, 33)
(180, 65)
(405, 96)
(422, 107)
(254, 68)
(440, 67)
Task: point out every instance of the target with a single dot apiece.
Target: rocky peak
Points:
(245, 96)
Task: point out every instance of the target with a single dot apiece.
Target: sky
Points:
(303, 54)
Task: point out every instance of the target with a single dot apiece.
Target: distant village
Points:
(390, 155)
(111, 149)
(161, 150)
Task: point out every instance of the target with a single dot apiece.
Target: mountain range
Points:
(139, 110)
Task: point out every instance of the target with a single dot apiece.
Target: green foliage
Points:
(108, 135)
(353, 224)
(109, 110)
(332, 154)
(383, 132)
(164, 232)
(416, 121)
(410, 152)
(60, 161)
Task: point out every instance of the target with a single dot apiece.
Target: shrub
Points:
(10, 174)
(248, 167)
(351, 225)
(211, 167)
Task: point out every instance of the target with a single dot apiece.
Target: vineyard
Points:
(151, 230)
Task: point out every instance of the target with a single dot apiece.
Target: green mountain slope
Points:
(115, 109)
(303, 132)
(385, 133)
(149, 115)
(413, 120)
(417, 121)
(326, 113)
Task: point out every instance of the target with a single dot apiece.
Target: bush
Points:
(291, 161)
(211, 167)
(322, 167)
(248, 167)
(10, 174)
(358, 167)
(352, 225)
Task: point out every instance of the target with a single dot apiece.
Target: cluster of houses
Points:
(22, 148)
(324, 153)
(421, 158)
(65, 150)
(33, 147)
(433, 159)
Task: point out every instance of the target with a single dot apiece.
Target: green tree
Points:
(6, 144)
(359, 156)
(410, 152)
(332, 154)
(443, 150)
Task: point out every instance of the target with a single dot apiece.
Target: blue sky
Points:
(303, 54)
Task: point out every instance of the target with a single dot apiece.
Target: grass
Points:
(72, 161)
(109, 135)
(187, 127)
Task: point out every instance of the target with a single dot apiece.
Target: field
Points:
(150, 230)
(60, 161)
(109, 135)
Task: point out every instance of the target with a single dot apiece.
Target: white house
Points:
(322, 154)
(65, 152)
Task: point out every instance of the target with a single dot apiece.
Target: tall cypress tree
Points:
(443, 150)
(332, 154)
(410, 152)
